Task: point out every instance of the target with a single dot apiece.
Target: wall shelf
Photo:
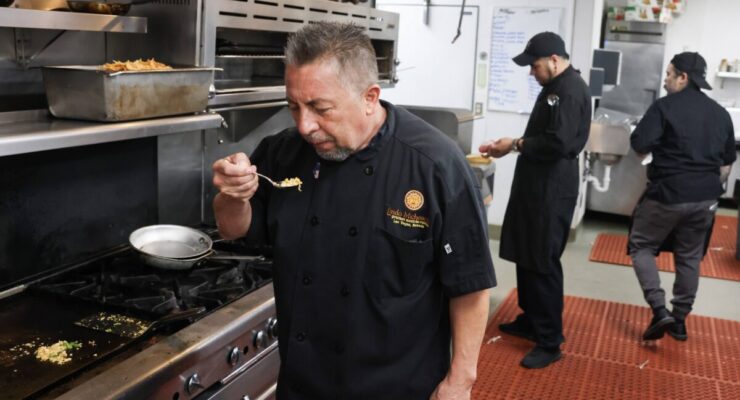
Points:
(727, 75)
(35, 130)
(731, 75)
(72, 21)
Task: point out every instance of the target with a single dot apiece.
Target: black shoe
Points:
(540, 357)
(517, 328)
(678, 330)
(661, 321)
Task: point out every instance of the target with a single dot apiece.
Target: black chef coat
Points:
(690, 136)
(545, 185)
(367, 256)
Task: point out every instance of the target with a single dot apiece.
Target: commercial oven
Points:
(230, 351)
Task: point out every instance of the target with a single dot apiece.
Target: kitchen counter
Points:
(35, 130)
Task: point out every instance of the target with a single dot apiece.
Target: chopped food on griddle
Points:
(117, 324)
(57, 352)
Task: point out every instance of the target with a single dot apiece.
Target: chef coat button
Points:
(352, 231)
(301, 336)
(314, 220)
(307, 279)
(344, 291)
(339, 348)
(369, 170)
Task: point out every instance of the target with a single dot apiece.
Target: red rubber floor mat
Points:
(719, 262)
(604, 358)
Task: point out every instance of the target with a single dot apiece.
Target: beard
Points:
(337, 154)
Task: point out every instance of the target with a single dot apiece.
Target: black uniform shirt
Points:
(690, 136)
(545, 185)
(367, 256)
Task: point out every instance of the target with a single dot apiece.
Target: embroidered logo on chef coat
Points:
(413, 200)
(407, 219)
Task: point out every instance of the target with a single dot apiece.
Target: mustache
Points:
(319, 138)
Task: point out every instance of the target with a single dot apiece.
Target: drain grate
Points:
(719, 262)
(604, 358)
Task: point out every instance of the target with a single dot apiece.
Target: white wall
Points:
(711, 27)
(581, 33)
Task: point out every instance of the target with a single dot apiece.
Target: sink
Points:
(608, 142)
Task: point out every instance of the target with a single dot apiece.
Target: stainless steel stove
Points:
(227, 348)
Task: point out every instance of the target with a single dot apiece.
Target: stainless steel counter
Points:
(35, 130)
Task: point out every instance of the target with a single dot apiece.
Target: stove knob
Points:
(193, 383)
(272, 327)
(234, 355)
(260, 339)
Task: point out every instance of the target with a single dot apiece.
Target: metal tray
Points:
(86, 92)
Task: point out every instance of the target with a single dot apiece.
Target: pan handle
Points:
(178, 316)
(215, 255)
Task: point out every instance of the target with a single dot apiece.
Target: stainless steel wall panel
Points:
(246, 130)
(180, 177)
(641, 77)
(173, 38)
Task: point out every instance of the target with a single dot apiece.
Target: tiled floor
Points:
(707, 366)
(604, 358)
(583, 278)
(719, 262)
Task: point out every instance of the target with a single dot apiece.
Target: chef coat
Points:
(690, 136)
(545, 185)
(366, 257)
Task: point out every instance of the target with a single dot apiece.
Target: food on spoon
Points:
(290, 182)
(138, 65)
(57, 352)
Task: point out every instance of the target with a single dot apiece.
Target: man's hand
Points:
(235, 177)
(447, 390)
(497, 148)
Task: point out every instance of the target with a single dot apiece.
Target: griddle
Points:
(36, 318)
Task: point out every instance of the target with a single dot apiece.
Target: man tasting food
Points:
(383, 260)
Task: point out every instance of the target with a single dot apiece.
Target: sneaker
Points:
(518, 327)
(540, 357)
(678, 330)
(662, 319)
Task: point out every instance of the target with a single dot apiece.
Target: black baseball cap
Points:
(543, 44)
(694, 66)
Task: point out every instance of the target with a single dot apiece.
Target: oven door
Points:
(257, 382)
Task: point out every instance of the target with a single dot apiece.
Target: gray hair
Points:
(345, 43)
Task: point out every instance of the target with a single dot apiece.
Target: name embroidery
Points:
(407, 219)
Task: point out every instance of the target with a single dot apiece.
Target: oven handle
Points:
(12, 291)
(269, 394)
(230, 377)
(249, 106)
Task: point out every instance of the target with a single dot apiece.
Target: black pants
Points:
(541, 292)
(541, 299)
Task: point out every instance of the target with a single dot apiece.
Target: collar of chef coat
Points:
(381, 137)
(567, 71)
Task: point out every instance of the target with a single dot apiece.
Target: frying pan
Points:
(176, 247)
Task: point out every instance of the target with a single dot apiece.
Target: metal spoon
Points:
(273, 183)
(285, 184)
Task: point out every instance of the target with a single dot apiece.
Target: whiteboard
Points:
(510, 87)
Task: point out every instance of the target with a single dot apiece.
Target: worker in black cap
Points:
(692, 142)
(543, 194)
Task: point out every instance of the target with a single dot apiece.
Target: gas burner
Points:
(124, 280)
